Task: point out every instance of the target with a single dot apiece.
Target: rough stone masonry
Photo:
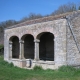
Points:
(49, 42)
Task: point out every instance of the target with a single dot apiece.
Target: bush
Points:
(67, 68)
(6, 64)
(1, 49)
(37, 68)
(11, 64)
(1, 57)
(1, 46)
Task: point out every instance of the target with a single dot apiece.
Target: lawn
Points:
(9, 72)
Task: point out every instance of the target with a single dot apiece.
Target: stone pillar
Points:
(21, 55)
(36, 57)
(54, 48)
(22, 61)
(10, 49)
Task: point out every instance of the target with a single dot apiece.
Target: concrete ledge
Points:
(19, 62)
(44, 62)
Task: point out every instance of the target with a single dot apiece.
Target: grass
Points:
(9, 72)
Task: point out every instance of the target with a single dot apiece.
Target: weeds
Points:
(67, 69)
(4, 63)
(37, 68)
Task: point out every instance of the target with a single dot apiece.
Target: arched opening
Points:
(15, 46)
(46, 46)
(28, 46)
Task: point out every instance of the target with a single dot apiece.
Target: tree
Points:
(8, 23)
(79, 8)
(65, 8)
(31, 16)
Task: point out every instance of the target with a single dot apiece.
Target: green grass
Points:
(9, 72)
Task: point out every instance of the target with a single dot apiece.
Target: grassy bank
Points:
(9, 72)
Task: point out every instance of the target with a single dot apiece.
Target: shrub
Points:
(1, 57)
(6, 64)
(1, 49)
(37, 68)
(11, 64)
(1, 46)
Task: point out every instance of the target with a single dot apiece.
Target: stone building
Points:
(49, 42)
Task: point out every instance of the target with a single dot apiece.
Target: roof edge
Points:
(44, 19)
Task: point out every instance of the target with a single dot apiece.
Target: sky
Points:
(17, 9)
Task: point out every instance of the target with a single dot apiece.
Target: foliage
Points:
(1, 46)
(1, 29)
(1, 58)
(79, 8)
(37, 68)
(31, 17)
(4, 63)
(8, 23)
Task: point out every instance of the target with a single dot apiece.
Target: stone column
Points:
(22, 61)
(21, 55)
(54, 48)
(36, 57)
(10, 49)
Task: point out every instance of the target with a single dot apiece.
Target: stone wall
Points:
(73, 45)
(56, 27)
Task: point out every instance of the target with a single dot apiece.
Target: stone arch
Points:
(14, 45)
(24, 33)
(10, 36)
(46, 46)
(28, 46)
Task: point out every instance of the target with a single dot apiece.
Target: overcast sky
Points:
(17, 9)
